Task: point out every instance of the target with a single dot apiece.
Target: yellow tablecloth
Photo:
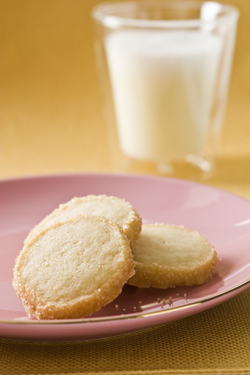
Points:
(213, 342)
(51, 122)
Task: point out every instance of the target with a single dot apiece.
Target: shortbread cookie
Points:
(169, 256)
(73, 268)
(113, 208)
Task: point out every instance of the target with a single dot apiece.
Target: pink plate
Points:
(221, 217)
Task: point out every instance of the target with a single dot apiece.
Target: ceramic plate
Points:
(221, 217)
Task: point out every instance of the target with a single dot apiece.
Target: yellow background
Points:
(51, 113)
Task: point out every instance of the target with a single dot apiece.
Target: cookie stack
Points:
(80, 256)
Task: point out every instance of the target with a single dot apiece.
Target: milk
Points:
(163, 86)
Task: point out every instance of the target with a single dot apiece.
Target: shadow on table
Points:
(232, 170)
(232, 174)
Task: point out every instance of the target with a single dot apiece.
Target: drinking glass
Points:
(164, 69)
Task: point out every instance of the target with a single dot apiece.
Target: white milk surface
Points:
(163, 85)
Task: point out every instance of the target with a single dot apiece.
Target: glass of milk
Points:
(165, 68)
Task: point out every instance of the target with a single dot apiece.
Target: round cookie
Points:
(169, 256)
(113, 208)
(73, 268)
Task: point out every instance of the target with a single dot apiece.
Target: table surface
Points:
(52, 123)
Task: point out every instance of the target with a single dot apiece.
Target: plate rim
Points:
(121, 175)
(127, 317)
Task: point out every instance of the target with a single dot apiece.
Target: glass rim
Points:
(100, 14)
